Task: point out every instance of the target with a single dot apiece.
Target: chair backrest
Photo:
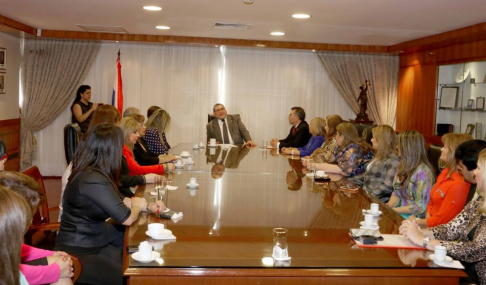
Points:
(433, 154)
(72, 135)
(212, 117)
(78, 268)
(42, 216)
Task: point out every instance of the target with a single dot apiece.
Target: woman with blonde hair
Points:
(142, 153)
(326, 152)
(352, 152)
(318, 132)
(131, 129)
(414, 178)
(156, 125)
(380, 171)
(448, 195)
(464, 237)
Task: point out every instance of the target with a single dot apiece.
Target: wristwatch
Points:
(425, 242)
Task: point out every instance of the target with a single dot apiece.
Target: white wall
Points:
(9, 102)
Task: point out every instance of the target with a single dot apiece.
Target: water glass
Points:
(312, 168)
(280, 247)
(264, 144)
(160, 184)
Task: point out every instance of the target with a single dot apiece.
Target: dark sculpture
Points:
(363, 104)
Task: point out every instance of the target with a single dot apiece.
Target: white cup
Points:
(320, 173)
(212, 142)
(189, 159)
(155, 229)
(440, 253)
(374, 208)
(145, 251)
(195, 146)
(179, 162)
(369, 219)
(201, 144)
(185, 153)
(192, 181)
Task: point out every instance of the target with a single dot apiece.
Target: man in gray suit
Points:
(228, 129)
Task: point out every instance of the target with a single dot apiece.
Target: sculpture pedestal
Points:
(366, 122)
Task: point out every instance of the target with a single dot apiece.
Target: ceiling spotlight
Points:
(248, 1)
(152, 8)
(277, 33)
(163, 27)
(261, 45)
(301, 16)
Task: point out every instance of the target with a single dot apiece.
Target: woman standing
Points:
(449, 194)
(380, 171)
(464, 236)
(82, 108)
(91, 198)
(156, 125)
(414, 178)
(318, 132)
(352, 152)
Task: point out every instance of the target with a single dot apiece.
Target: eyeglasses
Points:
(219, 110)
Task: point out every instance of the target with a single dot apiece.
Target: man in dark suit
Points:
(299, 134)
(228, 129)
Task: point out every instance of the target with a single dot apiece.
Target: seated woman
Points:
(130, 129)
(3, 155)
(325, 154)
(38, 266)
(91, 198)
(448, 195)
(414, 178)
(82, 108)
(156, 125)
(380, 171)
(464, 236)
(318, 132)
(105, 114)
(352, 152)
(15, 217)
(142, 153)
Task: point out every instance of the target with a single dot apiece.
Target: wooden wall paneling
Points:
(10, 133)
(416, 98)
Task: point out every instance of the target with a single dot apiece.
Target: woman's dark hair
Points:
(151, 110)
(80, 91)
(101, 149)
(3, 148)
(105, 114)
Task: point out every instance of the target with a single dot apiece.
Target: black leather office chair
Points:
(433, 154)
(72, 135)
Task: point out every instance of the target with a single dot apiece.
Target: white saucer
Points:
(137, 258)
(165, 234)
(192, 186)
(179, 166)
(363, 224)
(448, 260)
(282, 258)
(310, 175)
(370, 227)
(201, 146)
(185, 156)
(369, 212)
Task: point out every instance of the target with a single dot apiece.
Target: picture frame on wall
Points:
(3, 82)
(480, 103)
(448, 97)
(470, 129)
(470, 104)
(3, 58)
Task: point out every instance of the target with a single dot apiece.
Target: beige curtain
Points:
(348, 71)
(51, 72)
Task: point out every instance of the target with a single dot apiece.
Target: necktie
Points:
(293, 130)
(225, 133)
(225, 152)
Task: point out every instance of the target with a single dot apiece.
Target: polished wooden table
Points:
(225, 235)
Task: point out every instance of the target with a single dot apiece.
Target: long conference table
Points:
(226, 233)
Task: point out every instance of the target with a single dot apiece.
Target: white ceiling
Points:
(364, 22)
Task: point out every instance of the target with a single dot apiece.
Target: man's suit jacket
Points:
(299, 139)
(236, 128)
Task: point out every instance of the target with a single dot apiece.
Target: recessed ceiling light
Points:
(163, 27)
(261, 45)
(152, 8)
(277, 33)
(301, 16)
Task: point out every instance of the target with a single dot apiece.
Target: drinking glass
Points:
(312, 168)
(160, 184)
(264, 144)
(280, 247)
